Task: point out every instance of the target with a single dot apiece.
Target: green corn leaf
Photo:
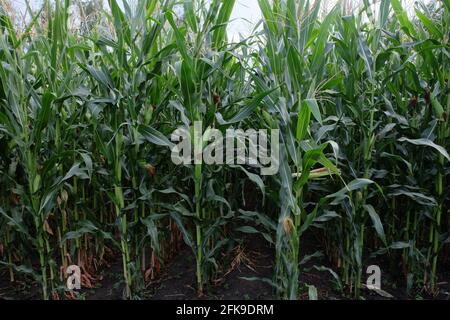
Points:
(427, 143)
(219, 33)
(315, 110)
(429, 25)
(154, 136)
(352, 186)
(403, 19)
(244, 112)
(376, 222)
(304, 117)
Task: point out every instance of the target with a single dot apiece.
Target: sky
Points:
(244, 17)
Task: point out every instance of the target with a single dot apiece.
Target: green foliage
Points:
(361, 101)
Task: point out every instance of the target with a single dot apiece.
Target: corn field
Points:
(361, 100)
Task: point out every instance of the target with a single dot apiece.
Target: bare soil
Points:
(252, 259)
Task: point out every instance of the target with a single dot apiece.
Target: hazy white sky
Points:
(247, 13)
(244, 17)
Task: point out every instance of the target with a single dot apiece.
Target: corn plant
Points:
(360, 98)
(292, 23)
(210, 83)
(27, 121)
